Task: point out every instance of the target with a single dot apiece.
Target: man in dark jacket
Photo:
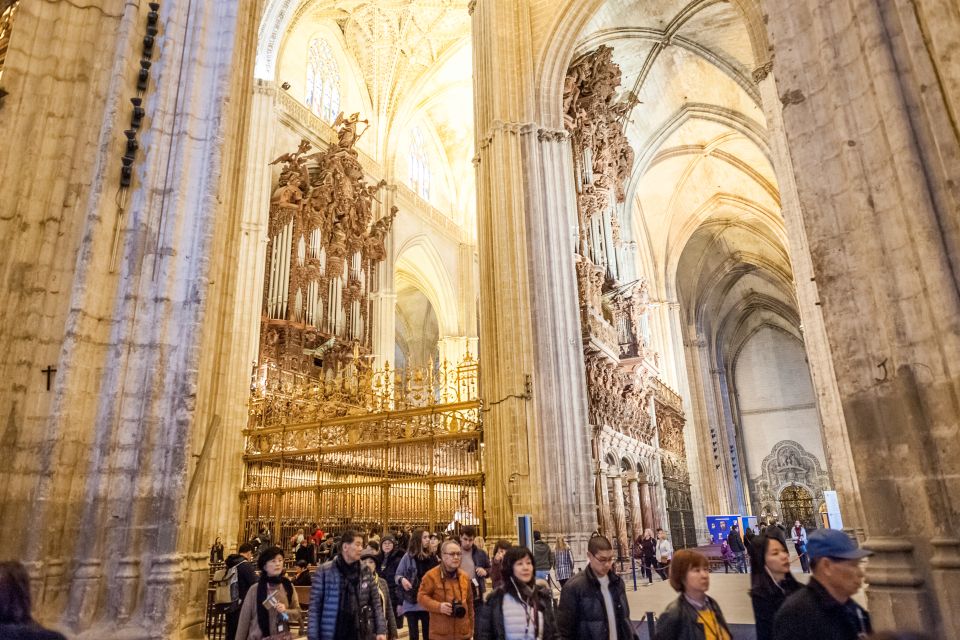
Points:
(246, 578)
(594, 602)
(341, 590)
(738, 548)
(825, 609)
(543, 558)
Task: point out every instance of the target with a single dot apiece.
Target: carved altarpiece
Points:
(620, 366)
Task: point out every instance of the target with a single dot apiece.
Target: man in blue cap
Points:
(824, 609)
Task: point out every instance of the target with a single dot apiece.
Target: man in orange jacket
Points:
(447, 594)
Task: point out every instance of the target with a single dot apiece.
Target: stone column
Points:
(646, 505)
(636, 507)
(132, 293)
(620, 515)
(833, 425)
(875, 156)
(536, 448)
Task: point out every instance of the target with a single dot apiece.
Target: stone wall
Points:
(110, 485)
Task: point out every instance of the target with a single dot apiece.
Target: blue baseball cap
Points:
(832, 543)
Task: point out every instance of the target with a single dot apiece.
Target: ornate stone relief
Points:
(324, 247)
(618, 398)
(787, 464)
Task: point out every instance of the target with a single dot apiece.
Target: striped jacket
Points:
(325, 602)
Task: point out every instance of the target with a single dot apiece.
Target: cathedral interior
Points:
(615, 265)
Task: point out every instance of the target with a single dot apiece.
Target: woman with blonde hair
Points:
(564, 559)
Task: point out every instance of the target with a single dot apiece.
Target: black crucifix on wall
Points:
(49, 371)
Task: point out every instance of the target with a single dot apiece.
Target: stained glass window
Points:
(419, 168)
(323, 81)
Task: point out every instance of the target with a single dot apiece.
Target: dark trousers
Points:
(421, 617)
(233, 621)
(646, 569)
(804, 561)
(662, 569)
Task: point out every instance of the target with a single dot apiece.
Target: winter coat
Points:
(582, 614)
(28, 631)
(726, 552)
(490, 625)
(249, 628)
(437, 588)
(736, 542)
(246, 574)
(325, 596)
(767, 598)
(543, 559)
(387, 569)
(648, 549)
(811, 613)
(481, 561)
(307, 553)
(383, 592)
(679, 621)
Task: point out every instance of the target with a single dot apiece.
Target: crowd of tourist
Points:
(447, 587)
(370, 586)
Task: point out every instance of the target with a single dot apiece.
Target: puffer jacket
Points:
(582, 614)
(490, 625)
(680, 621)
(325, 601)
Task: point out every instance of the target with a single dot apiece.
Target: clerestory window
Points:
(323, 80)
(419, 167)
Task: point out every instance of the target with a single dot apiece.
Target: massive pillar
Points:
(875, 150)
(537, 444)
(126, 297)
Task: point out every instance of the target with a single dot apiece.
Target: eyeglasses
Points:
(455, 554)
(604, 560)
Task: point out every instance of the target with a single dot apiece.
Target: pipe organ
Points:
(323, 253)
(329, 441)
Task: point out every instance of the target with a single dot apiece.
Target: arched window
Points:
(8, 9)
(419, 169)
(323, 81)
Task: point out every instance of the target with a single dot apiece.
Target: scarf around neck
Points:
(263, 614)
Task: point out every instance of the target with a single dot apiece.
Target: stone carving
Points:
(324, 247)
(788, 464)
(618, 398)
(594, 119)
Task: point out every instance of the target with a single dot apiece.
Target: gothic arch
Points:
(419, 265)
(558, 47)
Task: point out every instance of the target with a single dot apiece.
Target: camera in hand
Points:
(459, 611)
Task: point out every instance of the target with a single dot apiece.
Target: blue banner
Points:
(719, 527)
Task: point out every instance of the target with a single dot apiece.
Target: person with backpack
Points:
(235, 585)
(269, 607)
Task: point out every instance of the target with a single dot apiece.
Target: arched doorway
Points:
(796, 503)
